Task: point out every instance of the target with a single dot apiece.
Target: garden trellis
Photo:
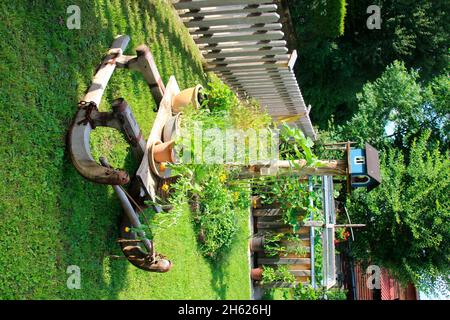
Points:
(243, 43)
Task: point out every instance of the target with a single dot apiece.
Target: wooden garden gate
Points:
(243, 43)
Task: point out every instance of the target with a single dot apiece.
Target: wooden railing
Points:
(242, 42)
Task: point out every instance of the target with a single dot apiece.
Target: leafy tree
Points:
(408, 216)
(333, 69)
(400, 101)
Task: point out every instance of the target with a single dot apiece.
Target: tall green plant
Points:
(278, 274)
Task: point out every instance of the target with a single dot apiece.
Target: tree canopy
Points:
(334, 67)
(396, 108)
(408, 216)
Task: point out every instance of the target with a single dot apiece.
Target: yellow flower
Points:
(254, 203)
(127, 229)
(236, 195)
(223, 177)
(165, 187)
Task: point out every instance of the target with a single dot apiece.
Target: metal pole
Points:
(312, 234)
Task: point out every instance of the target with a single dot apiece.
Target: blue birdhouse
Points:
(364, 167)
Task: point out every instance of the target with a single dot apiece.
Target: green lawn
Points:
(50, 217)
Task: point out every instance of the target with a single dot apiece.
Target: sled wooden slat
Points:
(148, 179)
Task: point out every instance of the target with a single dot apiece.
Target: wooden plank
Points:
(245, 53)
(242, 10)
(285, 99)
(270, 35)
(215, 3)
(278, 58)
(272, 72)
(257, 78)
(148, 179)
(271, 225)
(264, 89)
(278, 96)
(282, 261)
(266, 65)
(292, 60)
(299, 267)
(267, 212)
(238, 28)
(234, 20)
(244, 45)
(282, 284)
(273, 89)
(237, 73)
(301, 273)
(282, 86)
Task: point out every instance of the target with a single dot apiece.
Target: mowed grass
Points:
(50, 217)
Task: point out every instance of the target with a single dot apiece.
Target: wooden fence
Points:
(242, 42)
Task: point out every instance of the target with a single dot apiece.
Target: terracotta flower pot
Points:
(257, 243)
(256, 274)
(172, 128)
(186, 97)
(164, 152)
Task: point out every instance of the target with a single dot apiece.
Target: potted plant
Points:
(194, 96)
(164, 152)
(257, 243)
(219, 97)
(172, 128)
(341, 236)
(257, 274)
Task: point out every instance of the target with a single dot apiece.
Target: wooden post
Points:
(297, 167)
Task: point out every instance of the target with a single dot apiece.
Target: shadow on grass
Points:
(218, 281)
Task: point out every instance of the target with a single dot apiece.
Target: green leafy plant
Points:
(216, 217)
(249, 114)
(282, 244)
(294, 145)
(291, 195)
(279, 274)
(307, 292)
(219, 97)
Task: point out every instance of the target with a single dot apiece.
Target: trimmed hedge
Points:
(326, 17)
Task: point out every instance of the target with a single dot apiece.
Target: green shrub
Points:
(219, 97)
(273, 245)
(216, 217)
(306, 292)
(279, 274)
(249, 114)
